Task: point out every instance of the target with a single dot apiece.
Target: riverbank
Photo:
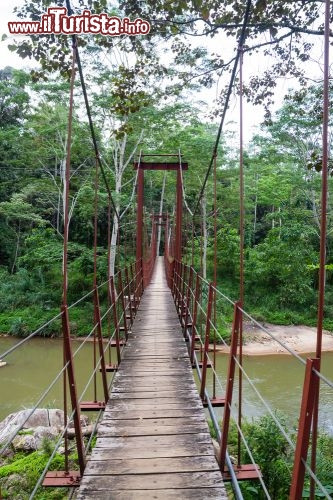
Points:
(301, 339)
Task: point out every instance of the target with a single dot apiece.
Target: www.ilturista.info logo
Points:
(57, 22)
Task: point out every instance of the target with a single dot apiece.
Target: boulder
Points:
(33, 439)
(43, 423)
(24, 442)
(41, 433)
(41, 417)
(56, 418)
(83, 419)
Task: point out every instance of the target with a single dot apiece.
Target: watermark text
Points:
(57, 22)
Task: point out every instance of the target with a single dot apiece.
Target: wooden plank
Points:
(142, 355)
(178, 393)
(157, 405)
(153, 441)
(140, 422)
(148, 413)
(147, 366)
(158, 379)
(149, 332)
(125, 382)
(146, 387)
(166, 494)
(206, 479)
(105, 430)
(182, 361)
(159, 342)
(151, 372)
(167, 352)
(151, 465)
(120, 452)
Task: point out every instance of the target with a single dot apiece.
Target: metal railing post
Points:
(122, 298)
(206, 346)
(115, 318)
(230, 385)
(97, 315)
(310, 388)
(194, 316)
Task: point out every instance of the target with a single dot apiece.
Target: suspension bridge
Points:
(154, 433)
(155, 317)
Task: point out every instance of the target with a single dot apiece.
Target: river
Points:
(31, 368)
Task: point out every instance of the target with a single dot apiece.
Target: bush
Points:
(24, 321)
(28, 467)
(272, 453)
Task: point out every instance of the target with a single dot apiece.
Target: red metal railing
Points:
(109, 331)
(194, 299)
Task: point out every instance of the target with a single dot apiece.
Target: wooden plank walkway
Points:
(153, 441)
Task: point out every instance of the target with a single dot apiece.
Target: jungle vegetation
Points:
(144, 97)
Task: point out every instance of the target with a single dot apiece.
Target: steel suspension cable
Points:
(323, 234)
(109, 275)
(95, 274)
(64, 383)
(67, 350)
(29, 337)
(215, 269)
(242, 38)
(241, 250)
(32, 410)
(67, 180)
(65, 247)
(88, 110)
(182, 183)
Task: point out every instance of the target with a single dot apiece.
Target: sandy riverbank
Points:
(301, 339)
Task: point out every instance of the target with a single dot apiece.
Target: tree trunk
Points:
(255, 213)
(160, 220)
(273, 219)
(18, 235)
(113, 244)
(204, 237)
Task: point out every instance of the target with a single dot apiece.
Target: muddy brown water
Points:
(31, 368)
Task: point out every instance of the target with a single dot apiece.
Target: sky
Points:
(7, 58)
(252, 115)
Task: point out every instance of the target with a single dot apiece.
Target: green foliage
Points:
(275, 458)
(27, 468)
(280, 265)
(19, 328)
(281, 205)
(272, 454)
(13, 96)
(324, 467)
(228, 252)
(26, 320)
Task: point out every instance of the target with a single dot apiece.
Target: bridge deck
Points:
(153, 441)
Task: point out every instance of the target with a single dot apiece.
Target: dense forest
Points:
(143, 93)
(282, 197)
(153, 93)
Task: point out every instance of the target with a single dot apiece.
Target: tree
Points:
(286, 32)
(14, 98)
(14, 101)
(48, 142)
(20, 217)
